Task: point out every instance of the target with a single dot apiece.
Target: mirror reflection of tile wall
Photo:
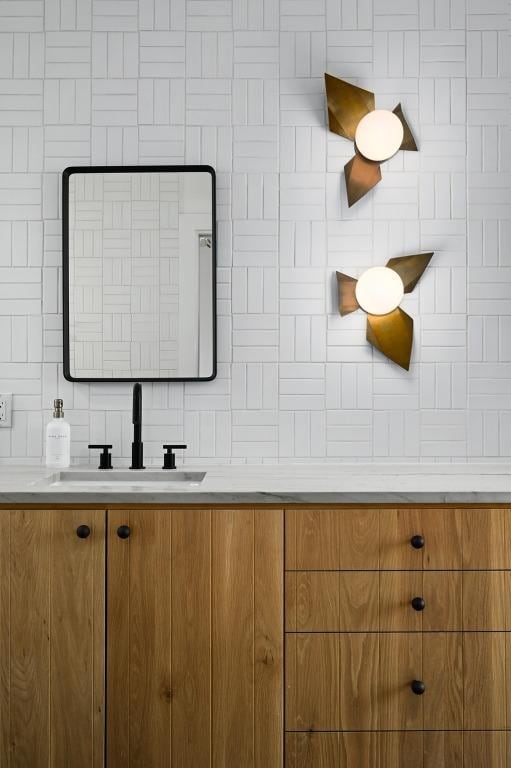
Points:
(127, 281)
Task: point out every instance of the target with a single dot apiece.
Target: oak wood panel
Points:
(313, 750)
(268, 638)
(314, 540)
(485, 680)
(441, 591)
(442, 594)
(5, 623)
(332, 601)
(202, 640)
(77, 638)
(442, 532)
(361, 681)
(443, 749)
(440, 749)
(232, 637)
(486, 750)
(146, 586)
(29, 638)
(312, 682)
(442, 664)
(358, 681)
(51, 639)
(359, 608)
(487, 600)
(367, 601)
(400, 663)
(191, 637)
(401, 750)
(312, 601)
(118, 641)
(486, 538)
(358, 749)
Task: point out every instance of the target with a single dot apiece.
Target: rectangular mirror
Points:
(139, 262)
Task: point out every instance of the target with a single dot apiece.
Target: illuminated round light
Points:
(379, 135)
(379, 290)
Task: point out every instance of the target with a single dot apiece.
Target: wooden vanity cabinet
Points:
(141, 638)
(398, 641)
(171, 637)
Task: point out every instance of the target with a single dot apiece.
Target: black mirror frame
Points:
(67, 172)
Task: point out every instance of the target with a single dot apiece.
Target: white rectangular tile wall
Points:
(238, 84)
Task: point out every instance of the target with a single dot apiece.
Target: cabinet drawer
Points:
(401, 749)
(370, 539)
(372, 601)
(362, 681)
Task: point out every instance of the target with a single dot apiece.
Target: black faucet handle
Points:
(105, 458)
(169, 458)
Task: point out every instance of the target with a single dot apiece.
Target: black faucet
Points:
(137, 446)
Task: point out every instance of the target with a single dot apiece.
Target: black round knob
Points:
(123, 531)
(418, 603)
(417, 542)
(418, 687)
(83, 531)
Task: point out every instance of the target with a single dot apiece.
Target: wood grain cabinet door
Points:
(195, 618)
(52, 585)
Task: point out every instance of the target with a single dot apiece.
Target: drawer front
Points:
(362, 681)
(405, 749)
(372, 539)
(398, 601)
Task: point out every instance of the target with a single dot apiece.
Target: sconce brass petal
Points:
(410, 268)
(347, 105)
(408, 142)
(361, 175)
(392, 334)
(346, 289)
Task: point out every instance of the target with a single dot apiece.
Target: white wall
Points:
(238, 84)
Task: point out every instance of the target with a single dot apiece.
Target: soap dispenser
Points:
(58, 438)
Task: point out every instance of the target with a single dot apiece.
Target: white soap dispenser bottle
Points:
(58, 439)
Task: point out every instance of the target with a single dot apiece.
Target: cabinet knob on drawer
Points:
(123, 531)
(418, 687)
(418, 603)
(417, 542)
(83, 531)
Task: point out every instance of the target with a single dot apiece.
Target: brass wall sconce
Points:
(379, 291)
(378, 133)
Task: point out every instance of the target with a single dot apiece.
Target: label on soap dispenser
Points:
(58, 444)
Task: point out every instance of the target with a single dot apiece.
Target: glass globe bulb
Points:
(379, 135)
(379, 290)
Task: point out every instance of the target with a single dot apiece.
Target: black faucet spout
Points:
(137, 446)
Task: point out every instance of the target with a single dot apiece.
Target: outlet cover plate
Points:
(5, 409)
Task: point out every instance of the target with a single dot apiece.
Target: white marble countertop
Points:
(279, 484)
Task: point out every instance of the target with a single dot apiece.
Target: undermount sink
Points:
(139, 478)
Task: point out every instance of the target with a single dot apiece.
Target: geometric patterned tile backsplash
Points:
(238, 84)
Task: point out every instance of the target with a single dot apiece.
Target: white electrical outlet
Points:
(5, 410)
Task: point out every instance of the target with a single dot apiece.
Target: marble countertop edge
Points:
(278, 485)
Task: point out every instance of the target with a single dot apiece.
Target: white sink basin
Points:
(125, 478)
